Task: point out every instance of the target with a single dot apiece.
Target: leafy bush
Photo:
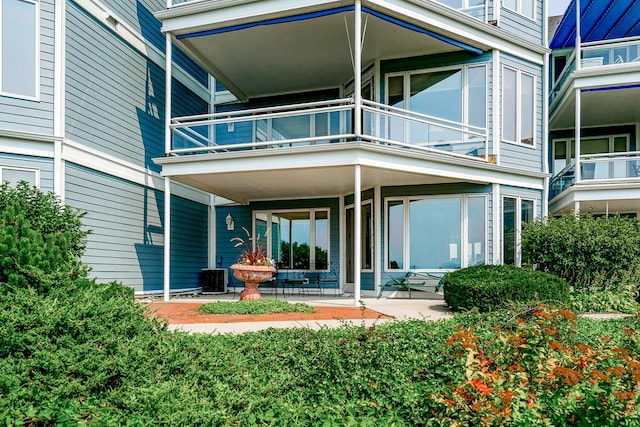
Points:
(616, 295)
(259, 306)
(35, 249)
(491, 287)
(582, 249)
(47, 215)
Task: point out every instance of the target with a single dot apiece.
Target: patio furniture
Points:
(330, 278)
(413, 280)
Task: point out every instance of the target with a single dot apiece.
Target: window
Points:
(518, 108)
(515, 213)
(19, 48)
(523, 7)
(434, 233)
(14, 175)
(450, 94)
(291, 236)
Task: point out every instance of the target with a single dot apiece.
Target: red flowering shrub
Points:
(532, 374)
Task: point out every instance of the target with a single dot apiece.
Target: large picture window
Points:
(515, 213)
(289, 237)
(518, 106)
(448, 95)
(436, 233)
(19, 47)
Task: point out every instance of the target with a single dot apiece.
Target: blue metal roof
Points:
(600, 20)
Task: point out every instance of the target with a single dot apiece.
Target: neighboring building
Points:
(386, 135)
(82, 99)
(595, 100)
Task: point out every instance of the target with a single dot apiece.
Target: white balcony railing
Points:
(598, 167)
(610, 166)
(615, 53)
(323, 122)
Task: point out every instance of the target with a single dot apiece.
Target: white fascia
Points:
(193, 16)
(27, 144)
(451, 21)
(109, 19)
(94, 159)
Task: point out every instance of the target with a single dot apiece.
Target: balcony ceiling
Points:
(600, 107)
(301, 51)
(328, 171)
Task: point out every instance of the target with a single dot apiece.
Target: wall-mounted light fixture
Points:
(231, 224)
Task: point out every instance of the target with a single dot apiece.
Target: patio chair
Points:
(330, 278)
(413, 280)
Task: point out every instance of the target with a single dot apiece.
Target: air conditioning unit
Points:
(214, 281)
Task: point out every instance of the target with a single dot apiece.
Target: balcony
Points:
(594, 168)
(324, 122)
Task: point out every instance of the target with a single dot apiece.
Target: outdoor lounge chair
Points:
(413, 280)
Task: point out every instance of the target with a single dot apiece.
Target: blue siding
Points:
(522, 26)
(44, 165)
(115, 96)
(35, 116)
(127, 239)
(139, 15)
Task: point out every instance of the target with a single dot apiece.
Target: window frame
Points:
(36, 97)
(518, 227)
(518, 89)
(464, 95)
(371, 248)
(570, 143)
(406, 230)
(312, 228)
(35, 171)
(519, 9)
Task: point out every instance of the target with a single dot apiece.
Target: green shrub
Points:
(259, 306)
(491, 287)
(30, 258)
(586, 251)
(47, 215)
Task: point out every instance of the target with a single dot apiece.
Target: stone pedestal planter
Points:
(252, 276)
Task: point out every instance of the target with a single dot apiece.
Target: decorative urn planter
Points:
(252, 276)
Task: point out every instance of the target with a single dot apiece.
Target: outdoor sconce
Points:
(231, 225)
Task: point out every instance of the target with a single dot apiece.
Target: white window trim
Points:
(37, 59)
(312, 220)
(406, 87)
(518, 142)
(464, 231)
(373, 252)
(20, 168)
(518, 237)
(518, 9)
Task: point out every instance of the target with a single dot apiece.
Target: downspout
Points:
(167, 180)
(545, 113)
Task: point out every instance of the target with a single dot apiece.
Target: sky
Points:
(557, 7)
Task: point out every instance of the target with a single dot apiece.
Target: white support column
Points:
(578, 54)
(167, 237)
(58, 100)
(357, 72)
(578, 136)
(168, 92)
(357, 235)
(377, 221)
(342, 214)
(497, 104)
